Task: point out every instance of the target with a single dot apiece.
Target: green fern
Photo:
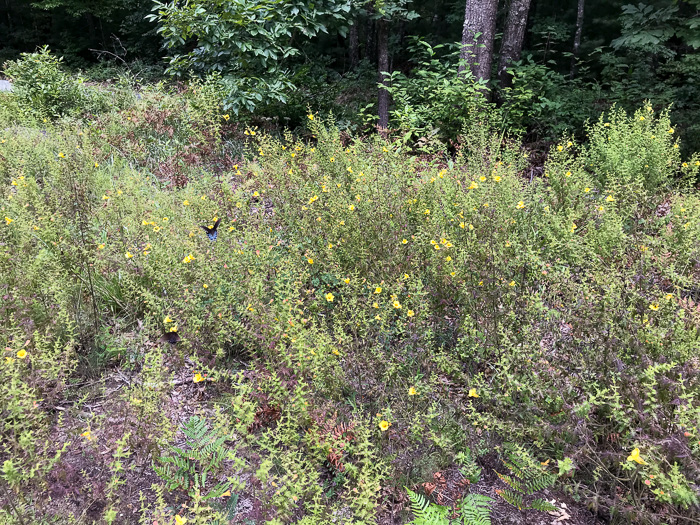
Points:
(526, 477)
(426, 513)
(189, 468)
(475, 510)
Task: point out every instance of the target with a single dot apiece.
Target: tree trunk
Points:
(477, 37)
(354, 42)
(513, 37)
(383, 67)
(577, 36)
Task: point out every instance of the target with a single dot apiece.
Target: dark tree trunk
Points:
(477, 51)
(577, 36)
(383, 67)
(354, 42)
(513, 37)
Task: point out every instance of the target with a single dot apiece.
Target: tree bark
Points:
(354, 42)
(383, 67)
(477, 37)
(513, 37)
(577, 36)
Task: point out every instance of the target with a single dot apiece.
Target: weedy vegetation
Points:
(374, 335)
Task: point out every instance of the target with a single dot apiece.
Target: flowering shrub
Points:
(363, 318)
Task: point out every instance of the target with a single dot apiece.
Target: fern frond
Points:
(513, 498)
(476, 509)
(542, 505)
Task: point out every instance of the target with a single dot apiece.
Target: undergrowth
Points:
(365, 320)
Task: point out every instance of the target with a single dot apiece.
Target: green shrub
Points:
(42, 87)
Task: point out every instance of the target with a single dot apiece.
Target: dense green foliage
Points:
(367, 319)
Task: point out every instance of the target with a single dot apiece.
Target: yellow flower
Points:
(156, 229)
(396, 305)
(351, 207)
(128, 255)
(185, 202)
(179, 520)
(520, 206)
(167, 320)
(568, 174)
(472, 392)
(426, 212)
(310, 260)
(61, 155)
(197, 378)
(496, 178)
(654, 306)
(311, 117)
(205, 286)
(384, 425)
(512, 283)
(641, 118)
(378, 289)
(173, 328)
(412, 391)
(22, 354)
(610, 198)
(586, 190)
(335, 351)
(332, 159)
(87, 435)
(404, 241)
(671, 130)
(105, 198)
(165, 219)
(410, 313)
(482, 178)
(560, 148)
(8, 220)
(346, 280)
(669, 296)
(329, 297)
(634, 456)
(101, 246)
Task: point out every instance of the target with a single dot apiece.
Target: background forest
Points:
(555, 64)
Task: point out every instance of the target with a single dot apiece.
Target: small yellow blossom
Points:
(8, 220)
(396, 305)
(520, 206)
(226, 117)
(310, 260)
(410, 313)
(311, 117)
(378, 289)
(654, 306)
(128, 255)
(512, 283)
(384, 425)
(185, 202)
(587, 190)
(634, 456)
(22, 354)
(610, 198)
(87, 435)
(412, 391)
(61, 155)
(205, 286)
(472, 392)
(351, 207)
(197, 378)
(101, 246)
(329, 297)
(560, 148)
